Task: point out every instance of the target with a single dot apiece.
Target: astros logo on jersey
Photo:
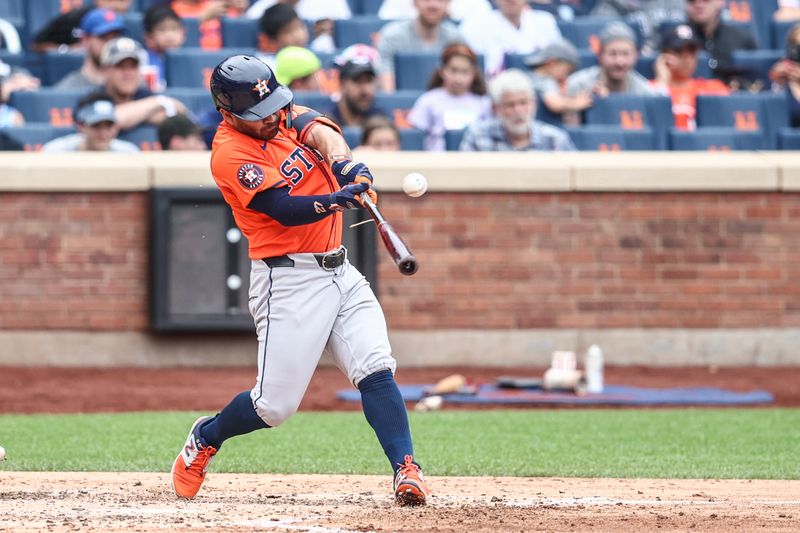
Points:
(250, 176)
(262, 88)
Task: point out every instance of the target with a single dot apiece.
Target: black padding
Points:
(300, 122)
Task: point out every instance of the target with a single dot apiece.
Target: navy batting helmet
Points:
(246, 87)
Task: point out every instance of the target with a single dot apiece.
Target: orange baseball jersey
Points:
(242, 166)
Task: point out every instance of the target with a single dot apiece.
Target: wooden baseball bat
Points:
(397, 248)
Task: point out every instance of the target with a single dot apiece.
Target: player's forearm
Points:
(329, 142)
(291, 210)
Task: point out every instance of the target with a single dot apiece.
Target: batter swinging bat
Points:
(402, 256)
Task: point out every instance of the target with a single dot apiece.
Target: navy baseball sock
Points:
(237, 418)
(386, 413)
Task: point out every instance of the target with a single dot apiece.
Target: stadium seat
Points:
(317, 101)
(192, 67)
(48, 106)
(412, 139)
(39, 12)
(192, 26)
(352, 135)
(763, 10)
(196, 100)
(360, 29)
(584, 32)
(56, 65)
(398, 103)
(634, 113)
(32, 136)
(145, 137)
(789, 139)
(134, 25)
(780, 30)
(452, 139)
(751, 13)
(413, 70)
(365, 7)
(756, 64)
(745, 112)
(12, 9)
(240, 33)
(716, 139)
(545, 115)
(612, 138)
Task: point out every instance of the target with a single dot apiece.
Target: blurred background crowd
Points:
(477, 75)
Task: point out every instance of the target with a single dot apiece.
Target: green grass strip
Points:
(685, 443)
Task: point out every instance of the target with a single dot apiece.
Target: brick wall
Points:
(517, 260)
(73, 261)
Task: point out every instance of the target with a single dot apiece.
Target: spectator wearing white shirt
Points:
(458, 10)
(513, 28)
(787, 10)
(429, 32)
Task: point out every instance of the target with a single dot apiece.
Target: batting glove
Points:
(348, 171)
(348, 197)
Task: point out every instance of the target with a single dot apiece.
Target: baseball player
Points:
(287, 174)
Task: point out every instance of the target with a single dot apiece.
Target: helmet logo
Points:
(262, 88)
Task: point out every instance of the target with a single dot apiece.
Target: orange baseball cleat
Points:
(409, 484)
(189, 468)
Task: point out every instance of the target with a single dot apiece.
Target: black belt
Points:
(329, 261)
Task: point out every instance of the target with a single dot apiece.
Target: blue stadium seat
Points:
(145, 137)
(40, 12)
(745, 112)
(30, 61)
(197, 100)
(12, 9)
(192, 67)
(399, 103)
(240, 32)
(360, 29)
(545, 115)
(413, 70)
(584, 32)
(634, 113)
(716, 139)
(56, 65)
(756, 64)
(789, 139)
(317, 101)
(644, 66)
(134, 26)
(761, 11)
(192, 26)
(452, 139)
(612, 138)
(47, 106)
(32, 136)
(780, 30)
(352, 135)
(366, 7)
(412, 139)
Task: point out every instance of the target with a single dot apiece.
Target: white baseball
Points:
(415, 184)
(2, 454)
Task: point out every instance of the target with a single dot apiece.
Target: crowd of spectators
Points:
(509, 74)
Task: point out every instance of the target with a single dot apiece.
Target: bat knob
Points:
(408, 266)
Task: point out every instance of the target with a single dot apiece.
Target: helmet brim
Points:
(280, 98)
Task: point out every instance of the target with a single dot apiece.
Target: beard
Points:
(515, 128)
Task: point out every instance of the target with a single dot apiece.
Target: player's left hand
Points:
(347, 170)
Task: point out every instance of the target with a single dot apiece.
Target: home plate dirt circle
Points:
(55, 501)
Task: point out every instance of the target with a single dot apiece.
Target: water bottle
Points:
(594, 369)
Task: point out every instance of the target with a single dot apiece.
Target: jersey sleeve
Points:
(304, 119)
(237, 170)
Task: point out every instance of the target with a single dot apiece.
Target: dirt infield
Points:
(89, 390)
(143, 502)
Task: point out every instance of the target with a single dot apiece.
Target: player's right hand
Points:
(348, 197)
